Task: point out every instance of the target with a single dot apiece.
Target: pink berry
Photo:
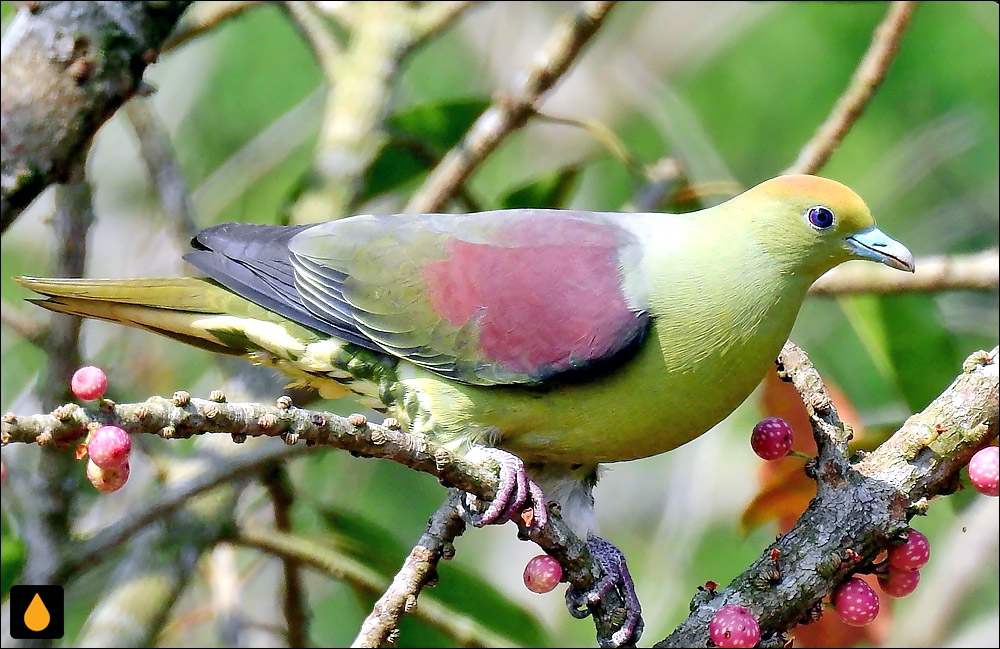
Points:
(983, 470)
(899, 583)
(734, 626)
(912, 554)
(109, 447)
(107, 480)
(771, 438)
(856, 602)
(542, 574)
(89, 383)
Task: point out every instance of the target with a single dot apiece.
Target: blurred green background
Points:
(732, 90)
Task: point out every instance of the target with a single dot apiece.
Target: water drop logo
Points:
(36, 612)
(37, 617)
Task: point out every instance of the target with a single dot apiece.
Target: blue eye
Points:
(820, 217)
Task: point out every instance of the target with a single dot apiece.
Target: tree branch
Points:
(859, 511)
(359, 74)
(977, 272)
(279, 490)
(184, 417)
(59, 89)
(419, 568)
(510, 113)
(204, 17)
(88, 551)
(465, 631)
(869, 75)
(47, 503)
(164, 169)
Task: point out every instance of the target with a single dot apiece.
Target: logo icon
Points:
(36, 612)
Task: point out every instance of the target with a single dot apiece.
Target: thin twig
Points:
(279, 489)
(318, 36)
(432, 17)
(87, 551)
(976, 272)
(183, 417)
(32, 330)
(164, 169)
(420, 567)
(464, 630)
(204, 17)
(866, 80)
(604, 135)
(46, 506)
(512, 111)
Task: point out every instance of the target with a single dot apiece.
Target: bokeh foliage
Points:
(924, 155)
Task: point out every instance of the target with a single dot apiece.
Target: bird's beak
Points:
(877, 246)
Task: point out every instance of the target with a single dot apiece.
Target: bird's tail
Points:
(192, 310)
(202, 313)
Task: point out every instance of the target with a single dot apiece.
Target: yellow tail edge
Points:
(166, 306)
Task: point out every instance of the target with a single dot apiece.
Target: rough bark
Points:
(67, 67)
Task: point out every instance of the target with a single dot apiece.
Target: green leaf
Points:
(418, 139)
(439, 125)
(548, 190)
(922, 351)
(908, 342)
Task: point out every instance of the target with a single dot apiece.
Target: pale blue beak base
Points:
(877, 246)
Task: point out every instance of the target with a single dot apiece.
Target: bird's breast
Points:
(701, 359)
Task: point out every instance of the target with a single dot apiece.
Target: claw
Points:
(616, 575)
(515, 490)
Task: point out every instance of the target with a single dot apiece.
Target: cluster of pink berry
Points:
(857, 603)
(108, 447)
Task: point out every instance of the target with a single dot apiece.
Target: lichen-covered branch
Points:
(861, 511)
(973, 272)
(183, 416)
(419, 568)
(359, 73)
(869, 75)
(67, 67)
(830, 434)
(510, 111)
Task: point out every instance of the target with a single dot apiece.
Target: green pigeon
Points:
(562, 338)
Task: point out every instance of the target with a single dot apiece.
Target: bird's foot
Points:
(616, 575)
(517, 494)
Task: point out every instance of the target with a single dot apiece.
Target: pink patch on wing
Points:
(554, 298)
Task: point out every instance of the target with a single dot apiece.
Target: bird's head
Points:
(819, 223)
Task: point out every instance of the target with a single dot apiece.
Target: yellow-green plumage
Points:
(717, 290)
